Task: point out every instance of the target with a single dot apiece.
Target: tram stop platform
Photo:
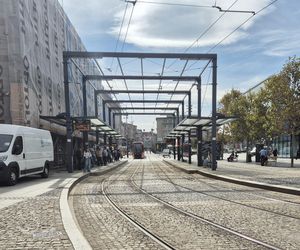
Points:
(279, 178)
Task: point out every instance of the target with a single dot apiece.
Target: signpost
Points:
(82, 125)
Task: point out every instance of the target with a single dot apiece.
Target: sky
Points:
(246, 56)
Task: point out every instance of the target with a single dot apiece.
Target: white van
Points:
(24, 151)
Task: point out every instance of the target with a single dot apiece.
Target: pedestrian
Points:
(93, 158)
(99, 156)
(298, 154)
(87, 160)
(104, 156)
(78, 158)
(263, 156)
(275, 154)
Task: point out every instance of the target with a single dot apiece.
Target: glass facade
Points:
(283, 145)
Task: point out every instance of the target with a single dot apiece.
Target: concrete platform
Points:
(280, 178)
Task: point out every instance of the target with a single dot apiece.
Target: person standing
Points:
(78, 158)
(275, 154)
(104, 156)
(87, 160)
(99, 156)
(298, 154)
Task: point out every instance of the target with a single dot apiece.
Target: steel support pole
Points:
(190, 147)
(105, 139)
(199, 128)
(85, 133)
(109, 116)
(114, 121)
(110, 141)
(97, 135)
(182, 110)
(96, 103)
(178, 116)
(182, 148)
(214, 114)
(174, 148)
(69, 151)
(190, 104)
(174, 121)
(103, 110)
(178, 148)
(199, 148)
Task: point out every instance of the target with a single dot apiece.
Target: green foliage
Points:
(273, 110)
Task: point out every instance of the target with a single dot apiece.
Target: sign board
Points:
(84, 125)
(193, 132)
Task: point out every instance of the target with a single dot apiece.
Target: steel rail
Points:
(136, 223)
(203, 219)
(228, 200)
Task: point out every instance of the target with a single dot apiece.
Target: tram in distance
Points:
(138, 151)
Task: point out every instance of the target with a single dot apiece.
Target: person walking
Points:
(87, 160)
(263, 156)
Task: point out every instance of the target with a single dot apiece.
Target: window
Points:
(18, 146)
(5, 141)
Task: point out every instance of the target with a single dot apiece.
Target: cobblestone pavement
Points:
(102, 226)
(34, 223)
(267, 216)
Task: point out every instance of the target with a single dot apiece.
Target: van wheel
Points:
(12, 176)
(45, 174)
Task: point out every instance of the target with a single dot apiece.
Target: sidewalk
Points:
(35, 213)
(281, 178)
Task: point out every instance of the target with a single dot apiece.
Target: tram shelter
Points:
(180, 127)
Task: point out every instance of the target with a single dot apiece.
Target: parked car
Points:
(24, 151)
(166, 153)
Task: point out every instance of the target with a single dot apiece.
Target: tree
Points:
(281, 95)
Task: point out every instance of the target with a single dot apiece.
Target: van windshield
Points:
(5, 141)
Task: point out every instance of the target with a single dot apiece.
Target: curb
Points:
(75, 235)
(270, 187)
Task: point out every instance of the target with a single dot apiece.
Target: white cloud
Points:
(161, 25)
(170, 26)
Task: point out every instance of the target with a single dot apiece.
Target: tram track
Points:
(123, 191)
(156, 237)
(229, 200)
(202, 219)
(135, 223)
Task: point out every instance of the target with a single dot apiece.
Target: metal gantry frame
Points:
(69, 56)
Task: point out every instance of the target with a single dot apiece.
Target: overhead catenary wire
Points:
(130, 18)
(125, 37)
(182, 72)
(204, 32)
(175, 4)
(160, 82)
(122, 72)
(205, 91)
(237, 28)
(119, 35)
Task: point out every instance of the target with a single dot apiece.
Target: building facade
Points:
(164, 126)
(33, 35)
